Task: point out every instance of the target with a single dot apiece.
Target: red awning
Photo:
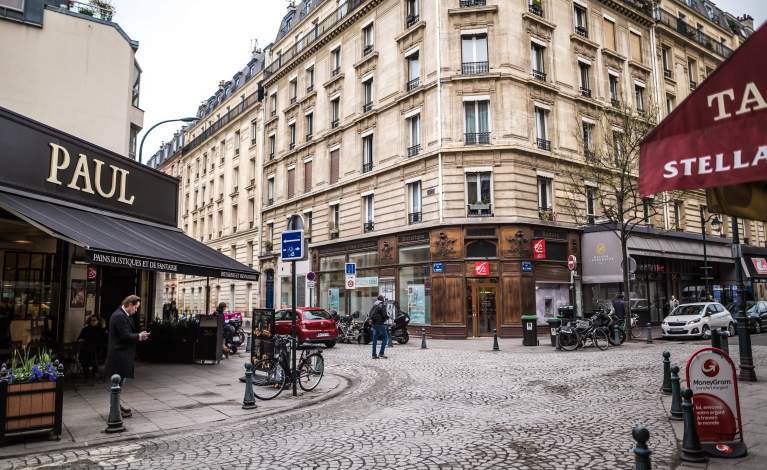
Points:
(718, 135)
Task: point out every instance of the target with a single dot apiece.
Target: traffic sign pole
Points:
(293, 329)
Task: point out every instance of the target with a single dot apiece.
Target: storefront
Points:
(664, 265)
(80, 229)
(458, 281)
(755, 268)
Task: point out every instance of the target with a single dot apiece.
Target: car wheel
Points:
(330, 344)
(731, 330)
(706, 332)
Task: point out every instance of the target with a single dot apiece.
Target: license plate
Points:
(675, 331)
(322, 335)
(235, 338)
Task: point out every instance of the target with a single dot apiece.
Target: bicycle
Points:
(575, 337)
(271, 376)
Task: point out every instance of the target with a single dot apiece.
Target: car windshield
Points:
(316, 315)
(687, 310)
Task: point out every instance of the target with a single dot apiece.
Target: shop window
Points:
(333, 292)
(332, 263)
(414, 254)
(556, 251)
(364, 260)
(415, 293)
(480, 249)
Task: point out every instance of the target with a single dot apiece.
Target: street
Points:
(454, 405)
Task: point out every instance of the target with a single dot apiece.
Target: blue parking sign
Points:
(351, 268)
(292, 245)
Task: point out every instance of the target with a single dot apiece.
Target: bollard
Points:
(559, 345)
(389, 344)
(249, 400)
(724, 338)
(248, 342)
(691, 448)
(666, 387)
(495, 341)
(676, 396)
(616, 336)
(423, 338)
(641, 451)
(115, 419)
(649, 333)
(716, 340)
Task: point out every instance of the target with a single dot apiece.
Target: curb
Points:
(346, 383)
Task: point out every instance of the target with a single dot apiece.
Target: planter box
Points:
(31, 408)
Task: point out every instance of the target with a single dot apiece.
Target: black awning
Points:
(115, 241)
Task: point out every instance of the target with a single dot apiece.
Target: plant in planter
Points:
(31, 395)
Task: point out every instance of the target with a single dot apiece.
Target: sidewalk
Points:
(167, 398)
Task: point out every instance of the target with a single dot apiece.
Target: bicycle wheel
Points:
(600, 338)
(569, 340)
(268, 379)
(310, 372)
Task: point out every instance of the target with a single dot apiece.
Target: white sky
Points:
(187, 46)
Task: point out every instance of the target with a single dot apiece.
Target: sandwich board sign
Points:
(711, 376)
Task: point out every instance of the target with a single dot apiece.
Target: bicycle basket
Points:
(582, 324)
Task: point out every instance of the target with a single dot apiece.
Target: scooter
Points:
(233, 336)
(348, 327)
(398, 330)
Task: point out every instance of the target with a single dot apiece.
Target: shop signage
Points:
(334, 298)
(48, 162)
(539, 249)
(142, 263)
(711, 376)
(571, 262)
(482, 268)
(292, 245)
(92, 273)
(760, 264)
(416, 303)
(438, 267)
(527, 266)
(367, 281)
(351, 275)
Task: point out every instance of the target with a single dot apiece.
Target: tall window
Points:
(272, 145)
(669, 103)
(235, 179)
(639, 97)
(413, 12)
(474, 54)
(542, 128)
(414, 202)
(545, 194)
(413, 71)
(334, 166)
(367, 94)
(478, 193)
(270, 190)
(334, 219)
(414, 128)
(635, 47)
(692, 71)
(307, 176)
(220, 186)
(273, 104)
(367, 39)
(476, 122)
(251, 171)
(291, 182)
(678, 214)
(367, 153)
(136, 91)
(310, 79)
(269, 237)
(581, 20)
(309, 126)
(251, 211)
(590, 205)
(293, 90)
(613, 79)
(537, 61)
(617, 148)
(292, 134)
(335, 61)
(588, 140)
(369, 212)
(235, 219)
(608, 28)
(666, 58)
(253, 130)
(335, 112)
(584, 68)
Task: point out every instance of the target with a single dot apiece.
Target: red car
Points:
(313, 325)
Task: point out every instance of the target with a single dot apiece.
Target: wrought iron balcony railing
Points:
(479, 209)
(582, 32)
(414, 218)
(369, 226)
(413, 84)
(474, 138)
(539, 75)
(475, 68)
(414, 150)
(366, 167)
(586, 92)
(472, 3)
(543, 144)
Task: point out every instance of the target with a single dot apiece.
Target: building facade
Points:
(76, 65)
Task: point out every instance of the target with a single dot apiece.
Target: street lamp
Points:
(715, 225)
(141, 147)
(747, 371)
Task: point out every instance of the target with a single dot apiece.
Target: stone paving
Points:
(454, 405)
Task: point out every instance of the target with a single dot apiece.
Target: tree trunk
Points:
(626, 286)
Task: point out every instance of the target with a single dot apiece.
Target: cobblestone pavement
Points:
(455, 405)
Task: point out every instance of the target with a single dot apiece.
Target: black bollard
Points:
(691, 448)
(495, 341)
(716, 340)
(423, 338)
(559, 344)
(616, 336)
(249, 400)
(115, 419)
(724, 338)
(666, 387)
(649, 333)
(248, 342)
(641, 451)
(676, 396)
(389, 344)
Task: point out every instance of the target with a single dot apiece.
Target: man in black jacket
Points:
(377, 318)
(121, 352)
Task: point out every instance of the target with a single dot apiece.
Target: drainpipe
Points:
(439, 112)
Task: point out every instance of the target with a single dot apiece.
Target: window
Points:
(535, 7)
(272, 145)
(309, 126)
(136, 90)
(235, 179)
(669, 103)
(236, 143)
(252, 171)
(613, 79)
(412, 12)
(590, 205)
(413, 71)
(253, 130)
(308, 222)
(367, 153)
(478, 193)
(608, 29)
(581, 21)
(310, 79)
(334, 166)
(617, 148)
(367, 39)
(13, 4)
(537, 61)
(545, 195)
(369, 212)
(588, 140)
(367, 95)
(583, 68)
(542, 129)
(293, 90)
(333, 220)
(273, 105)
(647, 210)
(414, 202)
(249, 253)
(251, 211)
(235, 218)
(414, 128)
(639, 97)
(335, 61)
(335, 112)
(291, 182)
(666, 59)
(635, 47)
(474, 54)
(476, 122)
(132, 142)
(292, 134)
(692, 71)
(221, 186)
(678, 214)
(270, 190)
(308, 176)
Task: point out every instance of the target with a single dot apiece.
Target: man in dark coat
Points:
(619, 306)
(121, 353)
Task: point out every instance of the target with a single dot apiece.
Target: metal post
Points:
(666, 387)
(705, 254)
(747, 371)
(641, 451)
(616, 334)
(649, 333)
(207, 295)
(676, 395)
(691, 448)
(115, 419)
(423, 338)
(716, 341)
(724, 338)
(293, 328)
(249, 400)
(495, 341)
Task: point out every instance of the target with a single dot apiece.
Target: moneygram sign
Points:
(711, 375)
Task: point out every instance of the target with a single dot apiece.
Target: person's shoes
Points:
(375, 357)
(126, 412)
(382, 356)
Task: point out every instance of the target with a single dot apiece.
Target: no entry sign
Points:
(712, 378)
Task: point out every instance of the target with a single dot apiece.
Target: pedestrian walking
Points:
(377, 318)
(673, 303)
(121, 351)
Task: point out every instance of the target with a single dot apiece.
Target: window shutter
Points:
(635, 46)
(291, 183)
(609, 33)
(307, 176)
(334, 167)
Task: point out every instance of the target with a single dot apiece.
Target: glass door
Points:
(486, 318)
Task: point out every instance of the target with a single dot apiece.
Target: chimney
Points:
(291, 6)
(256, 50)
(221, 84)
(747, 21)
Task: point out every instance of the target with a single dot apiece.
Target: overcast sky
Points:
(187, 46)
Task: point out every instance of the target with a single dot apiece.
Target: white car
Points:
(698, 319)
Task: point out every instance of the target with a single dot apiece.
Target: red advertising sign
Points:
(718, 135)
(571, 262)
(539, 249)
(92, 273)
(482, 268)
(760, 264)
(711, 376)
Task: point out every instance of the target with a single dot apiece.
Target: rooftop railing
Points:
(685, 29)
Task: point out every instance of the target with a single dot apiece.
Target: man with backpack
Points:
(377, 318)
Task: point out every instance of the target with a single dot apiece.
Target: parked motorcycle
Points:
(234, 336)
(397, 329)
(348, 327)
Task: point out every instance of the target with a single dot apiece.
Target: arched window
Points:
(480, 249)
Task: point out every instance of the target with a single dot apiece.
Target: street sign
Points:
(527, 266)
(351, 275)
(572, 262)
(311, 279)
(438, 267)
(292, 245)
(711, 376)
(370, 281)
(350, 268)
(539, 249)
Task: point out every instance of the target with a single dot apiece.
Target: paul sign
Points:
(712, 378)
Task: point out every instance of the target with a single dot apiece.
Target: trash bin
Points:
(554, 324)
(529, 330)
(567, 312)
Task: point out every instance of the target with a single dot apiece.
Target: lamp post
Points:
(747, 371)
(141, 147)
(715, 224)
